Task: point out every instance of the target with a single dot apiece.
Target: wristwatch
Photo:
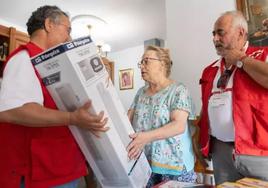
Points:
(239, 64)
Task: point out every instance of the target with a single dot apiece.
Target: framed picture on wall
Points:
(256, 14)
(126, 79)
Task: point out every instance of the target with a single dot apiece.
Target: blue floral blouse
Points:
(170, 155)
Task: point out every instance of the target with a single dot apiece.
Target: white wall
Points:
(125, 59)
(189, 27)
(9, 24)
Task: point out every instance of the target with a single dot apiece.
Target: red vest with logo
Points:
(250, 109)
(46, 156)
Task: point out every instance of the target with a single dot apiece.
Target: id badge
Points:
(218, 100)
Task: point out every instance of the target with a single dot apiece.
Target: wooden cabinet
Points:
(10, 39)
(109, 65)
(4, 42)
(18, 38)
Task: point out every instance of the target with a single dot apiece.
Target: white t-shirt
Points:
(220, 110)
(20, 84)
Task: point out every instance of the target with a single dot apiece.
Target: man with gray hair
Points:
(37, 148)
(234, 123)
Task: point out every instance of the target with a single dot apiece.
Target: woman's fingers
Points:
(134, 153)
(135, 147)
(133, 136)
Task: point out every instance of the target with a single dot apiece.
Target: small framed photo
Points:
(126, 79)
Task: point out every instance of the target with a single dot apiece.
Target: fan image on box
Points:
(96, 64)
(86, 69)
(68, 97)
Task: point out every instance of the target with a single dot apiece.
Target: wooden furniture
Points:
(240, 5)
(200, 166)
(109, 65)
(10, 39)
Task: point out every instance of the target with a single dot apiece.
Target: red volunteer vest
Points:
(250, 109)
(44, 156)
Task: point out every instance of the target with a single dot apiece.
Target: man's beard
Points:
(221, 48)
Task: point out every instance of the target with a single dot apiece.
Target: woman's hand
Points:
(136, 146)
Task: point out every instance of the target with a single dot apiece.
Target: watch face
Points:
(239, 64)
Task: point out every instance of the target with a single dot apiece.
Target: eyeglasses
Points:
(146, 60)
(68, 28)
(224, 78)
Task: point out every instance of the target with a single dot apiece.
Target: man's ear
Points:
(48, 25)
(242, 32)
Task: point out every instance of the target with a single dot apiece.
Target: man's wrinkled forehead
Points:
(223, 21)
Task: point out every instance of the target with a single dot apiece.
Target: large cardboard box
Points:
(73, 73)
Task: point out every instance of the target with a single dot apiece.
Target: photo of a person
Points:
(126, 79)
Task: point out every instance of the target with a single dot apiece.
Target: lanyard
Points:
(222, 67)
(222, 90)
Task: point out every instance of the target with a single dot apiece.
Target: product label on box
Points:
(51, 79)
(60, 49)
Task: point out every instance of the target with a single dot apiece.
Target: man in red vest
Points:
(234, 118)
(37, 148)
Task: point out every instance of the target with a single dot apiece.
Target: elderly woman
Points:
(159, 116)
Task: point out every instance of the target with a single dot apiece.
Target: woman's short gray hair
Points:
(163, 55)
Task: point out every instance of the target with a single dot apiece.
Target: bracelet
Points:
(243, 57)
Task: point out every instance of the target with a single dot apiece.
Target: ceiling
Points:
(129, 22)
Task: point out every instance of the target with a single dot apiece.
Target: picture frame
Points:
(126, 79)
(256, 14)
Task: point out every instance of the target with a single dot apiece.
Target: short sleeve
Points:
(183, 101)
(135, 101)
(20, 85)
